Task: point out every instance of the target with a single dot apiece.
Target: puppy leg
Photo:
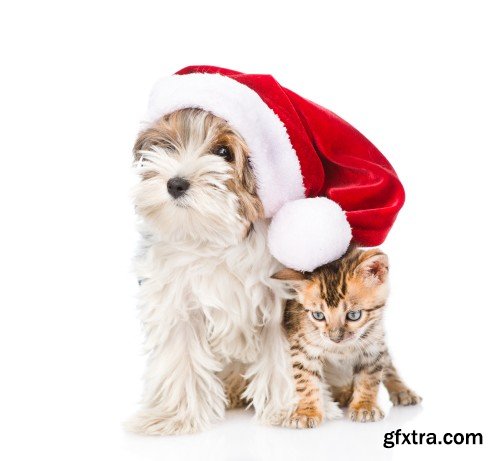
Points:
(271, 387)
(182, 393)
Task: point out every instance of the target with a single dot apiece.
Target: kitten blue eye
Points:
(318, 316)
(353, 315)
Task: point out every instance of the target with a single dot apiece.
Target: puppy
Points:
(210, 311)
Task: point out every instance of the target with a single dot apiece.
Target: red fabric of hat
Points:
(320, 180)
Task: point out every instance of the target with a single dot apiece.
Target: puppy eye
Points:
(353, 315)
(224, 152)
(318, 316)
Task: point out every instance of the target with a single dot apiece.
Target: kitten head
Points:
(195, 179)
(342, 300)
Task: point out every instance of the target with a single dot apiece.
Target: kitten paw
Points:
(308, 420)
(405, 398)
(365, 413)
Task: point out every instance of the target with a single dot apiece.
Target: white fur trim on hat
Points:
(308, 233)
(272, 156)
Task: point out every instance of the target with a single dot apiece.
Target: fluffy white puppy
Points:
(211, 313)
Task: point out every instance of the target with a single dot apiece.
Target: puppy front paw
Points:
(332, 410)
(149, 422)
(365, 413)
(405, 397)
(305, 419)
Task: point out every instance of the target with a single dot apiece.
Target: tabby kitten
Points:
(334, 327)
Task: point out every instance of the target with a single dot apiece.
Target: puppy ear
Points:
(144, 141)
(373, 267)
(155, 136)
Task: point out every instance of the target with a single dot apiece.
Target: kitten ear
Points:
(296, 281)
(288, 275)
(373, 268)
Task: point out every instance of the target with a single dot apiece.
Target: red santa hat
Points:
(320, 180)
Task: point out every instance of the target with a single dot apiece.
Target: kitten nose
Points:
(337, 335)
(177, 186)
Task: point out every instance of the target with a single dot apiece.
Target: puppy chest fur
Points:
(224, 289)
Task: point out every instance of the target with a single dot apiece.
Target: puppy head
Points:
(195, 179)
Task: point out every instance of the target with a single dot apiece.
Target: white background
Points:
(420, 79)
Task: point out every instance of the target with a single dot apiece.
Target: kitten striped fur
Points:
(337, 345)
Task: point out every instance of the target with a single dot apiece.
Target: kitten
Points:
(334, 327)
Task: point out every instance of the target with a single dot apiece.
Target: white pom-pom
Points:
(305, 234)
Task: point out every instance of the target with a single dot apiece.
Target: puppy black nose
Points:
(177, 187)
